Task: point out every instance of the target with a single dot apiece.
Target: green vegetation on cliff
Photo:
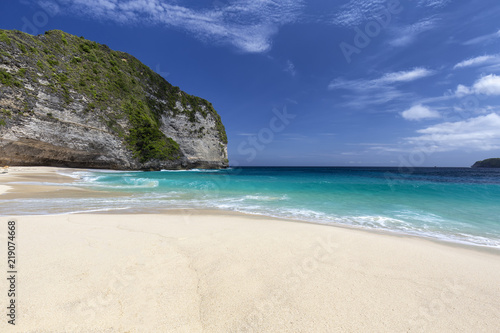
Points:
(145, 137)
(115, 85)
(488, 163)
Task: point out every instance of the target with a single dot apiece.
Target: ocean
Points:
(460, 205)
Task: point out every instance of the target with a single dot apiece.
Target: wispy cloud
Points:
(486, 85)
(419, 112)
(384, 80)
(483, 39)
(408, 34)
(485, 59)
(290, 68)
(406, 76)
(356, 12)
(249, 25)
(433, 3)
(475, 134)
(378, 91)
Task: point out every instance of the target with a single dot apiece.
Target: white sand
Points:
(214, 272)
(18, 182)
(4, 189)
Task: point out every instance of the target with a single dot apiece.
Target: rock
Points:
(67, 101)
(488, 163)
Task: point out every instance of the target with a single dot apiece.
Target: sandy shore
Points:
(205, 271)
(16, 182)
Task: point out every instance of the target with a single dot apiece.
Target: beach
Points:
(215, 271)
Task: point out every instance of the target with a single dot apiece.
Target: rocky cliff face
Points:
(67, 101)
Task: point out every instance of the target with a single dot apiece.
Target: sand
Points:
(210, 271)
(18, 182)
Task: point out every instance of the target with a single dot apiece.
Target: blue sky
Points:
(348, 83)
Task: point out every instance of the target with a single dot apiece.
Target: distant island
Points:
(488, 163)
(70, 102)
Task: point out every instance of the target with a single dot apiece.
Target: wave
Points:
(289, 198)
(265, 197)
(95, 210)
(255, 205)
(375, 222)
(196, 170)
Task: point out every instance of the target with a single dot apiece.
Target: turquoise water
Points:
(453, 204)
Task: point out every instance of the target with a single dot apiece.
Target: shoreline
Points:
(4, 189)
(219, 212)
(19, 179)
(60, 175)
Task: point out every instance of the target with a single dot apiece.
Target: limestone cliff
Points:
(67, 101)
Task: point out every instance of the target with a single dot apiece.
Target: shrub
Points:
(22, 48)
(76, 60)
(85, 48)
(7, 113)
(8, 80)
(91, 57)
(52, 60)
(4, 38)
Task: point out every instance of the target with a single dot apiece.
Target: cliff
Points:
(488, 163)
(67, 101)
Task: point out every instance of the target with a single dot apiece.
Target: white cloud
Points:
(419, 112)
(358, 85)
(462, 91)
(356, 12)
(290, 68)
(406, 35)
(377, 91)
(483, 39)
(433, 3)
(246, 24)
(475, 134)
(486, 85)
(386, 79)
(363, 100)
(406, 76)
(477, 61)
(363, 93)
